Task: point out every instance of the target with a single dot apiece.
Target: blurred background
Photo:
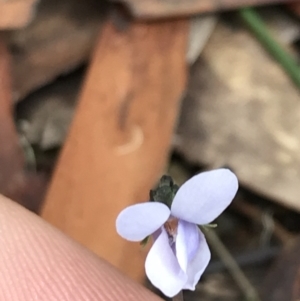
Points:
(98, 100)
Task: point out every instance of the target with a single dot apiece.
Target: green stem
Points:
(255, 23)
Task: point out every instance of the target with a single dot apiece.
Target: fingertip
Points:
(38, 262)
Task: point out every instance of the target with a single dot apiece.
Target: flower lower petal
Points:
(162, 267)
(197, 266)
(138, 221)
(205, 196)
(187, 243)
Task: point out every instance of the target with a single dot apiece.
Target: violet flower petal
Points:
(197, 266)
(205, 196)
(187, 243)
(162, 267)
(138, 221)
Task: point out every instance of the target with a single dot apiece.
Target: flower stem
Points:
(178, 297)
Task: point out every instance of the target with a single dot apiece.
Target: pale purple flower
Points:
(180, 253)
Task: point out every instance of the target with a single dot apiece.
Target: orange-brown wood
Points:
(16, 13)
(120, 137)
(155, 9)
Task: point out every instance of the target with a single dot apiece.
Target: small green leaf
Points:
(165, 181)
(165, 191)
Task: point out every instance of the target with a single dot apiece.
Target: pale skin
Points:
(39, 263)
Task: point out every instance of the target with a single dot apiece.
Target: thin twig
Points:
(178, 297)
(233, 268)
(256, 214)
(248, 258)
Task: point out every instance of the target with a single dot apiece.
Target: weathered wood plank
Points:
(153, 9)
(120, 136)
(59, 40)
(16, 13)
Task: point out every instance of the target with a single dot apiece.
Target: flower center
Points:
(171, 226)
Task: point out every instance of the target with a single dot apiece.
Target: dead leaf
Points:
(242, 111)
(60, 38)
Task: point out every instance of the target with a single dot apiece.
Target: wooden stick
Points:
(120, 137)
(16, 13)
(155, 9)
